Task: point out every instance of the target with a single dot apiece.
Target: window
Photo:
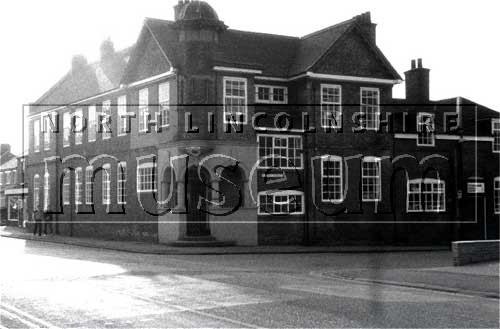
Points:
(146, 178)
(425, 195)
(331, 106)
(164, 103)
(143, 109)
(425, 129)
(36, 191)
(2, 175)
(14, 177)
(271, 94)
(92, 128)
(281, 203)
(122, 120)
(7, 178)
(235, 100)
(78, 120)
(331, 179)
(122, 183)
(89, 185)
(283, 151)
(370, 108)
(106, 184)
(495, 129)
(496, 194)
(78, 185)
(66, 186)
(106, 111)
(46, 134)
(2, 200)
(46, 191)
(36, 135)
(67, 128)
(370, 179)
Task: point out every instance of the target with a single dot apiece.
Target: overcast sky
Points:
(458, 40)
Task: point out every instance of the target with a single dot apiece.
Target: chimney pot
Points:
(420, 63)
(413, 64)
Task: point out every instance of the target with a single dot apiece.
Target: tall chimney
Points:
(177, 9)
(4, 148)
(417, 83)
(368, 28)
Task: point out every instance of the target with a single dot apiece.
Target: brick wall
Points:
(467, 252)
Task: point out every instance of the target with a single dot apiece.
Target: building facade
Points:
(12, 190)
(203, 133)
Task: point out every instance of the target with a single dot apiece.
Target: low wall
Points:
(468, 252)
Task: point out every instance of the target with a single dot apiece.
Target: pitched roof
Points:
(87, 80)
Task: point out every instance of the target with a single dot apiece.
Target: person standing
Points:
(47, 223)
(38, 217)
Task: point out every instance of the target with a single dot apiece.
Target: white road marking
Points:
(29, 316)
(18, 318)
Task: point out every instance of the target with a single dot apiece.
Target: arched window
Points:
(231, 186)
(66, 186)
(36, 191)
(106, 184)
(78, 185)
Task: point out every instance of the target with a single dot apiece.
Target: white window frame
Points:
(338, 159)
(164, 103)
(106, 111)
(496, 195)
(271, 99)
(78, 118)
(36, 135)
(151, 182)
(66, 188)
(377, 177)
(89, 185)
(46, 135)
(287, 193)
(422, 194)
(78, 186)
(14, 177)
(2, 177)
(226, 97)
(272, 159)
(121, 183)
(66, 129)
(46, 191)
(325, 112)
(7, 178)
(36, 191)
(122, 110)
(422, 125)
(363, 108)
(495, 131)
(143, 109)
(106, 184)
(92, 128)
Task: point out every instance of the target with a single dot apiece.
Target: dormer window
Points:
(271, 94)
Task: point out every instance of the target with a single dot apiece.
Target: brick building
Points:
(218, 134)
(12, 191)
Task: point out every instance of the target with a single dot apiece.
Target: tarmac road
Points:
(60, 286)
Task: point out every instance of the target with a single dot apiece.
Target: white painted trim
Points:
(477, 139)
(169, 73)
(272, 79)
(280, 136)
(15, 191)
(448, 137)
(236, 70)
(345, 78)
(281, 193)
(361, 89)
(271, 94)
(339, 87)
(405, 136)
(335, 158)
(245, 115)
(379, 177)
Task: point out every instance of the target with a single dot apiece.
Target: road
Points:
(59, 286)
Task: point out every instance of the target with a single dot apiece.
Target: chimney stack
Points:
(367, 27)
(4, 148)
(417, 83)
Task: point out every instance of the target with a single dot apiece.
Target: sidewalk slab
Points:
(160, 249)
(478, 279)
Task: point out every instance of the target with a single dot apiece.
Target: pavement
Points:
(162, 249)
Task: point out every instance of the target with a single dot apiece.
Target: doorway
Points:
(197, 216)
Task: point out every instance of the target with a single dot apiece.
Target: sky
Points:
(458, 40)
